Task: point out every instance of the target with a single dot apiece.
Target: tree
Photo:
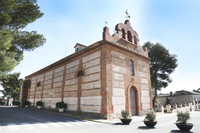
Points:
(14, 16)
(11, 84)
(162, 64)
(198, 90)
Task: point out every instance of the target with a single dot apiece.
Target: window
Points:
(135, 40)
(129, 36)
(38, 84)
(131, 67)
(123, 33)
(80, 73)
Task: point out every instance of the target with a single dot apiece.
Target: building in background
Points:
(104, 78)
(181, 96)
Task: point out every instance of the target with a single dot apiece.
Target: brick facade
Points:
(105, 86)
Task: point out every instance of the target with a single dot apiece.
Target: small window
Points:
(80, 73)
(129, 36)
(131, 67)
(123, 33)
(38, 84)
(135, 40)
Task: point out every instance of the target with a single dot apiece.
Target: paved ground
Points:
(23, 120)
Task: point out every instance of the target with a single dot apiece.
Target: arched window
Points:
(80, 73)
(38, 84)
(129, 36)
(123, 33)
(131, 67)
(135, 40)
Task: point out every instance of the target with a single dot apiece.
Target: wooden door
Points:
(133, 100)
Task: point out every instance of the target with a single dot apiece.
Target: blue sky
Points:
(174, 23)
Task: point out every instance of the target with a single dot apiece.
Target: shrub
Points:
(27, 103)
(150, 116)
(156, 110)
(39, 103)
(125, 114)
(157, 102)
(165, 110)
(16, 103)
(61, 105)
(183, 117)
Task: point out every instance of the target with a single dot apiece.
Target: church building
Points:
(103, 78)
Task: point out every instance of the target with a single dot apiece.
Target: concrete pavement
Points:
(92, 118)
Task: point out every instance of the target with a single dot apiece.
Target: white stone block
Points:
(41, 76)
(47, 82)
(145, 93)
(71, 100)
(118, 62)
(91, 63)
(118, 55)
(91, 77)
(145, 99)
(72, 64)
(145, 81)
(143, 74)
(47, 86)
(72, 107)
(70, 76)
(142, 63)
(91, 100)
(118, 84)
(33, 81)
(91, 56)
(58, 79)
(118, 69)
(117, 76)
(71, 88)
(118, 108)
(72, 70)
(118, 92)
(144, 87)
(49, 73)
(93, 109)
(71, 81)
(91, 85)
(34, 78)
(92, 70)
(59, 69)
(48, 77)
(59, 74)
(118, 100)
(142, 68)
(145, 106)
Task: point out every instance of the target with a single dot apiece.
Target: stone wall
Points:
(119, 80)
(61, 83)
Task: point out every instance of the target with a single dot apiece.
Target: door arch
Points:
(133, 101)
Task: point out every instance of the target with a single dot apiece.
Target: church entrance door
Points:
(133, 99)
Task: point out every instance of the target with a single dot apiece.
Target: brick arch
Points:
(138, 99)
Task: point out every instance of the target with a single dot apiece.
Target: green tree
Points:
(11, 84)
(14, 16)
(162, 64)
(198, 90)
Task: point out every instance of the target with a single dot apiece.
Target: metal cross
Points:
(127, 15)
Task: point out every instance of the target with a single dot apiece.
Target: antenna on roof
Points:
(106, 23)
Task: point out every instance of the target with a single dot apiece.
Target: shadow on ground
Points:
(179, 131)
(120, 124)
(145, 128)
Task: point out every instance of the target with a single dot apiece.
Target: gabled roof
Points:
(78, 44)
